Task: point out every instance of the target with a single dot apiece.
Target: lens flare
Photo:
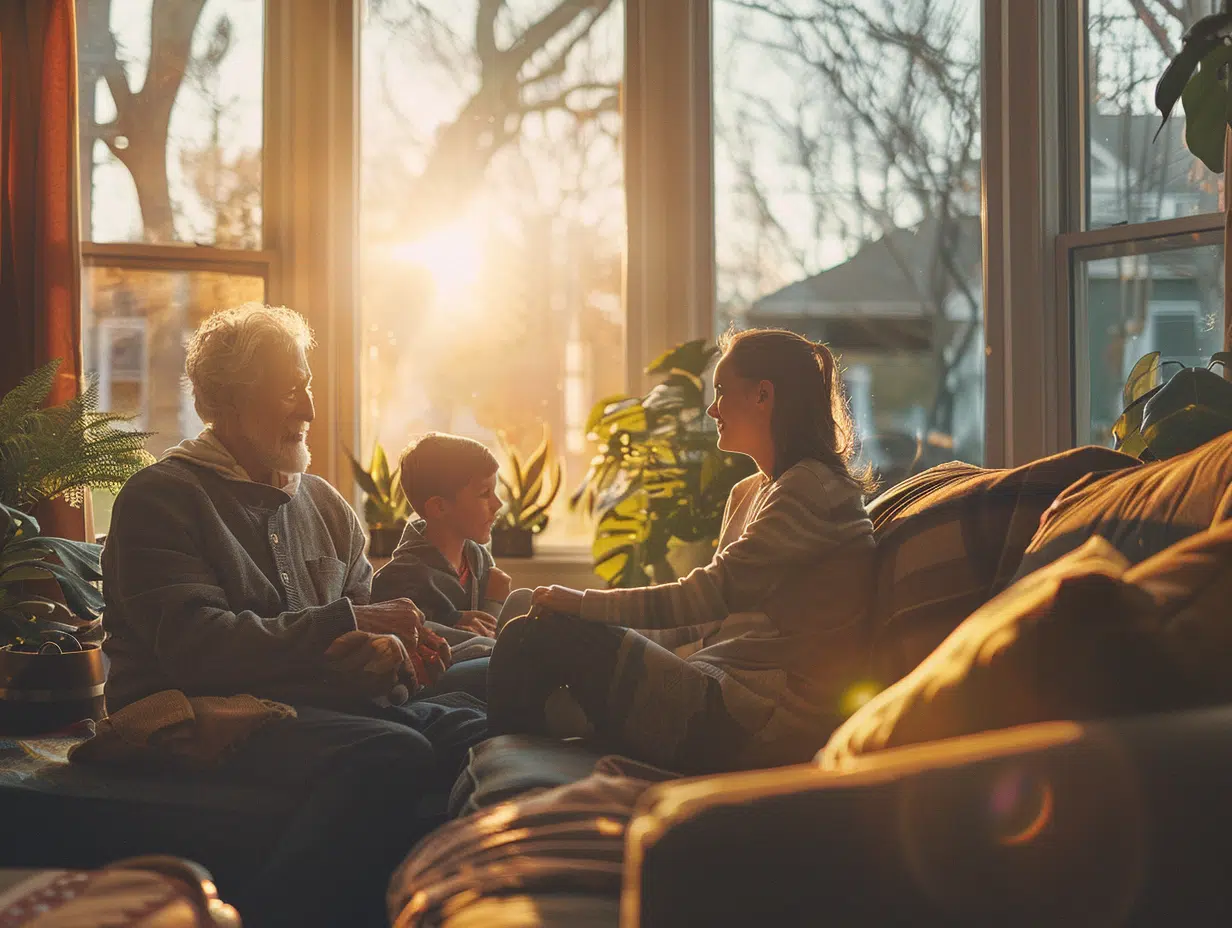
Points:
(1020, 807)
(857, 695)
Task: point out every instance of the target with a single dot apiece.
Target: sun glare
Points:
(452, 254)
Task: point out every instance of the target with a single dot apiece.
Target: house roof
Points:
(889, 277)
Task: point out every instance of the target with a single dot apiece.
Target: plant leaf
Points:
(17, 524)
(84, 558)
(1143, 378)
(22, 572)
(380, 470)
(692, 357)
(534, 468)
(362, 477)
(1205, 101)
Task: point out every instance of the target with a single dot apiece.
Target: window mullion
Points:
(669, 180)
(311, 202)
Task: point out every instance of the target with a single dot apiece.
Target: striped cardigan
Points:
(779, 615)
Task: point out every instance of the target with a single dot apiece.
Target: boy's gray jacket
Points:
(419, 572)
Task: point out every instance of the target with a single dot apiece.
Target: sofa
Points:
(1108, 809)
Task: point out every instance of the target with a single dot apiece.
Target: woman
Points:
(766, 637)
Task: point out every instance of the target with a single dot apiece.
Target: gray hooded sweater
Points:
(419, 572)
(217, 585)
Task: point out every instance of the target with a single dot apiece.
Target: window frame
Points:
(1076, 244)
(180, 257)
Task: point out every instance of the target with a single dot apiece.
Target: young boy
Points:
(441, 563)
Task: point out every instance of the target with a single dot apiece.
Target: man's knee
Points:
(517, 604)
(389, 746)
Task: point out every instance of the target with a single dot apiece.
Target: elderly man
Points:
(229, 570)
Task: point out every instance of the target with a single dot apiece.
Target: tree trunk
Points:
(146, 160)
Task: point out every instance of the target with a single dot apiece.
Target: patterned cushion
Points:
(951, 537)
(1141, 512)
(1085, 637)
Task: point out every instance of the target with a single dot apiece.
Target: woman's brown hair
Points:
(811, 418)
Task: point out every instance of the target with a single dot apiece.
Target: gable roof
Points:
(889, 277)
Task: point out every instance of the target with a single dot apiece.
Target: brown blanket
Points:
(171, 729)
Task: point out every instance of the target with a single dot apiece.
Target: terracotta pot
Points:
(513, 542)
(44, 692)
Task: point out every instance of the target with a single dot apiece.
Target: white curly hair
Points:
(223, 351)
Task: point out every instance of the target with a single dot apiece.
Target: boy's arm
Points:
(496, 589)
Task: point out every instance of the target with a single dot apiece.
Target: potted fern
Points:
(386, 508)
(530, 487)
(51, 669)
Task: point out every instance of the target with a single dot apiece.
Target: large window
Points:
(171, 119)
(492, 221)
(847, 204)
(1145, 262)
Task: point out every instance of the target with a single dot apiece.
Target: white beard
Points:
(287, 457)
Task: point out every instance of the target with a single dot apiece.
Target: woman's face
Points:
(742, 409)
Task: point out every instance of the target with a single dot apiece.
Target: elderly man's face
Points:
(274, 414)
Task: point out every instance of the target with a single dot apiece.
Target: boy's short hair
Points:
(439, 464)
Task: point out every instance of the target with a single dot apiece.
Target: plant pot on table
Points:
(513, 542)
(46, 690)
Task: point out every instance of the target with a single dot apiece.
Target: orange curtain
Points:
(40, 285)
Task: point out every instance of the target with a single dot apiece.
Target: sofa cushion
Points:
(565, 841)
(1084, 637)
(1119, 823)
(1141, 511)
(951, 537)
(509, 766)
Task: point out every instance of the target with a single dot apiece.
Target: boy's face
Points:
(473, 509)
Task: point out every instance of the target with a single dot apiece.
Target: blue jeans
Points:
(463, 677)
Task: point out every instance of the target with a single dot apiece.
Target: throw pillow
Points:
(1140, 511)
(1085, 637)
(950, 538)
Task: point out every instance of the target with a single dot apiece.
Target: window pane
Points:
(1168, 301)
(847, 206)
(171, 135)
(493, 221)
(136, 325)
(1131, 176)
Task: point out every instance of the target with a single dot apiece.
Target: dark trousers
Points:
(359, 777)
(642, 700)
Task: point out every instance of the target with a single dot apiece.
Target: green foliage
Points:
(1198, 77)
(530, 487)
(657, 474)
(1164, 418)
(59, 452)
(385, 504)
(26, 557)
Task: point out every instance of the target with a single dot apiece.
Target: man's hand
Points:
(558, 599)
(500, 585)
(369, 662)
(478, 622)
(399, 617)
(431, 658)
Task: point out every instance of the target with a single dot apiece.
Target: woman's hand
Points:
(558, 599)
